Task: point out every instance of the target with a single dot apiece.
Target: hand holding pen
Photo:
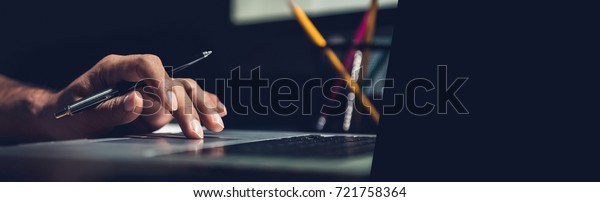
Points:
(145, 107)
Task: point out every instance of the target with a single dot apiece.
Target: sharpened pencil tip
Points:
(206, 53)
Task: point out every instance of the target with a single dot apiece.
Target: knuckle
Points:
(151, 57)
(187, 83)
(111, 57)
(176, 81)
(213, 96)
(176, 84)
(148, 60)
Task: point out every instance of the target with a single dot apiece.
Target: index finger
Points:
(135, 68)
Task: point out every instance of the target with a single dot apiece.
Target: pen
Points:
(107, 94)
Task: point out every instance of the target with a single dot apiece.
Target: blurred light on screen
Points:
(244, 12)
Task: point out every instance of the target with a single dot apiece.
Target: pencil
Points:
(348, 61)
(318, 39)
(369, 35)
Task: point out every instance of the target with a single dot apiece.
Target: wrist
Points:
(43, 104)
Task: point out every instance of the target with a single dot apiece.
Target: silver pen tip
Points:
(206, 53)
(63, 113)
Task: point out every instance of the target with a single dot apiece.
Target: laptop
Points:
(230, 155)
(166, 155)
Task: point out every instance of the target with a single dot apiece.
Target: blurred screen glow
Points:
(244, 12)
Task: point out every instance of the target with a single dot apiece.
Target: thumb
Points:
(117, 111)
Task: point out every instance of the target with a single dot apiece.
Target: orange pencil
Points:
(318, 39)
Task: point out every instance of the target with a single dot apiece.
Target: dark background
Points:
(532, 93)
(50, 43)
(532, 68)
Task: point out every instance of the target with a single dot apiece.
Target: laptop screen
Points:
(489, 96)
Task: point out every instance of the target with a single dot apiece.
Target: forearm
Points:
(20, 109)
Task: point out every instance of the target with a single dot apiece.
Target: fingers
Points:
(220, 106)
(117, 111)
(158, 118)
(186, 114)
(189, 104)
(152, 118)
(206, 103)
(133, 68)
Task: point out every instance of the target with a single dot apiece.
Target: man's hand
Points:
(144, 110)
